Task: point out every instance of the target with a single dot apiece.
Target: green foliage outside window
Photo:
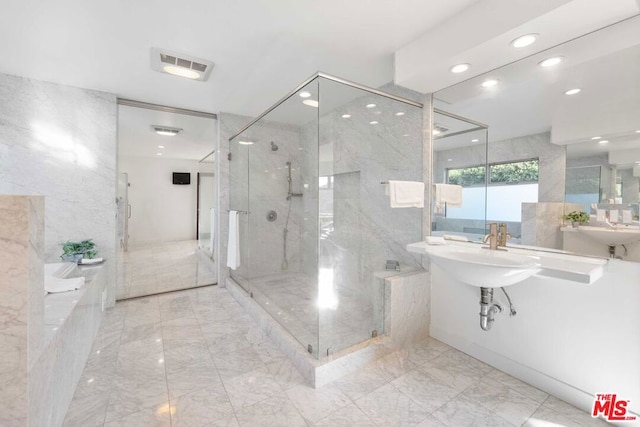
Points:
(524, 171)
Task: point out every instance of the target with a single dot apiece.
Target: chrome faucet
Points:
(492, 237)
(503, 235)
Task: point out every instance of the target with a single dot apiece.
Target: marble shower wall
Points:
(60, 142)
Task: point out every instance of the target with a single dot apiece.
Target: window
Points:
(524, 171)
(467, 177)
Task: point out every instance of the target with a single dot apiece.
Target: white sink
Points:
(611, 236)
(483, 267)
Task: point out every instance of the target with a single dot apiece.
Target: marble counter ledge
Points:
(558, 265)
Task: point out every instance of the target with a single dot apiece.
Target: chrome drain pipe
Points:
(488, 309)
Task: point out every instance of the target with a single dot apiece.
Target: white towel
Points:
(56, 284)
(449, 194)
(212, 218)
(406, 194)
(233, 248)
(435, 240)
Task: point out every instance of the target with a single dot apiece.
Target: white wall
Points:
(571, 340)
(60, 142)
(160, 211)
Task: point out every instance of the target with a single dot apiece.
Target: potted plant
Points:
(76, 251)
(577, 218)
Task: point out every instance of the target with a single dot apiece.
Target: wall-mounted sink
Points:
(482, 267)
(611, 236)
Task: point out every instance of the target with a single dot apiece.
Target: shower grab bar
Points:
(240, 212)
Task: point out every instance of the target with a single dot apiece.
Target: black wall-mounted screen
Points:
(181, 178)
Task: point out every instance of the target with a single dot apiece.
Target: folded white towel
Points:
(233, 248)
(55, 284)
(406, 194)
(91, 260)
(435, 240)
(455, 237)
(449, 194)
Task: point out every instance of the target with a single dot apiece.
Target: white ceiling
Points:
(530, 99)
(261, 48)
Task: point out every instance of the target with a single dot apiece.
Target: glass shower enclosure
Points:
(308, 180)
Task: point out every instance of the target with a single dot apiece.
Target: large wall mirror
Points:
(563, 135)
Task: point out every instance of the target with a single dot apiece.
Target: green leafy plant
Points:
(85, 247)
(577, 216)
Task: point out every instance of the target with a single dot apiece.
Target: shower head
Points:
(274, 147)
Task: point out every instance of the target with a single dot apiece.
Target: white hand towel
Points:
(449, 194)
(212, 215)
(56, 284)
(406, 194)
(233, 248)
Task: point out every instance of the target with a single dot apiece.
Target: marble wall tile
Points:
(21, 302)
(60, 142)
(407, 308)
(541, 223)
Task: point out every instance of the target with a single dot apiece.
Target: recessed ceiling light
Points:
(311, 103)
(603, 141)
(373, 122)
(550, 62)
(489, 83)
(572, 91)
(400, 113)
(245, 142)
(346, 116)
(305, 94)
(524, 41)
(460, 68)
(596, 137)
(475, 140)
(158, 154)
(160, 146)
(406, 134)
(181, 72)
(371, 105)
(449, 160)
(165, 130)
(638, 131)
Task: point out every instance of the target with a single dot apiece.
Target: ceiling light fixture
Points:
(180, 64)
(489, 83)
(158, 154)
(311, 103)
(596, 137)
(400, 113)
(524, 41)
(181, 72)
(550, 62)
(638, 131)
(475, 140)
(573, 91)
(449, 160)
(604, 141)
(305, 94)
(166, 130)
(245, 142)
(371, 105)
(373, 123)
(460, 68)
(160, 146)
(346, 116)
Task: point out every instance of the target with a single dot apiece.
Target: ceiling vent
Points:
(180, 64)
(166, 130)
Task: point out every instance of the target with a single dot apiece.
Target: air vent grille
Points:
(166, 130)
(162, 58)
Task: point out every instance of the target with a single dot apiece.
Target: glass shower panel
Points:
(282, 160)
(239, 201)
(365, 140)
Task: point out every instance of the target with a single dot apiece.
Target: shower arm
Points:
(289, 193)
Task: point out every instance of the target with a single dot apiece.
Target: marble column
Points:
(21, 301)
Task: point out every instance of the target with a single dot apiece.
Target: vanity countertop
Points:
(554, 264)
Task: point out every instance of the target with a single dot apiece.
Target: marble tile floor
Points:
(292, 299)
(163, 267)
(195, 358)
